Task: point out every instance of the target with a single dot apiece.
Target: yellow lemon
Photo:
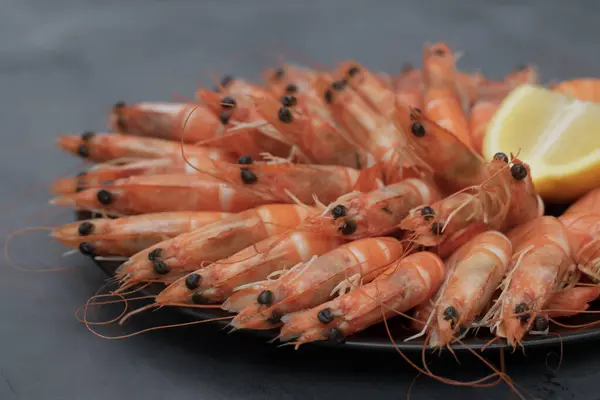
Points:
(557, 135)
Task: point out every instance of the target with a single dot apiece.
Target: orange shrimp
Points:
(571, 301)
(404, 285)
(442, 102)
(409, 87)
(129, 235)
(159, 193)
(173, 258)
(583, 230)
(467, 85)
(541, 265)
(309, 284)
(584, 89)
(588, 203)
(358, 215)
(165, 121)
(217, 281)
(474, 272)
(112, 146)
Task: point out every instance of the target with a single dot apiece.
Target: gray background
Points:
(64, 63)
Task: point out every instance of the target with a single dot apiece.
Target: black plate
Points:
(376, 337)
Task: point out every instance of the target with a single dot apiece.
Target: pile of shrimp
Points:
(318, 203)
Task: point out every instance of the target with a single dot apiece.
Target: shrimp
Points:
(405, 284)
(165, 121)
(541, 265)
(217, 281)
(173, 258)
(307, 285)
(571, 301)
(159, 193)
(409, 87)
(442, 102)
(583, 230)
(358, 215)
(113, 146)
(585, 89)
(588, 203)
(474, 272)
(129, 235)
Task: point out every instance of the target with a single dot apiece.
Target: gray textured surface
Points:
(62, 65)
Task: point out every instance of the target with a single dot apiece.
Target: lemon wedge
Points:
(556, 134)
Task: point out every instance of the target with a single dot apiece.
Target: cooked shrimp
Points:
(409, 87)
(571, 301)
(262, 305)
(173, 258)
(127, 236)
(404, 285)
(583, 230)
(585, 89)
(217, 281)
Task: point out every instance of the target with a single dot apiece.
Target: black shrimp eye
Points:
(246, 160)
(85, 228)
(248, 177)
(348, 228)
(338, 85)
(338, 211)
(437, 228)
(325, 316)
(265, 298)
(83, 151)
(86, 248)
(353, 71)
(160, 267)
(540, 323)
(228, 102)
(104, 197)
(427, 213)
(226, 80)
(193, 281)
(451, 314)
(335, 335)
(291, 88)
(501, 156)
(285, 115)
(417, 129)
(155, 254)
(289, 100)
(329, 96)
(439, 52)
(521, 311)
(224, 117)
(279, 73)
(85, 136)
(518, 171)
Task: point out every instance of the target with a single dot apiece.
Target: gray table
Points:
(64, 63)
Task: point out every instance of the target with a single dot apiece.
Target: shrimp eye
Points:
(226, 80)
(224, 117)
(289, 100)
(193, 281)
(501, 157)
(437, 228)
(85, 228)
(335, 335)
(540, 324)
(279, 73)
(439, 52)
(291, 88)
(155, 254)
(105, 197)
(248, 177)
(427, 213)
(228, 102)
(83, 151)
(417, 129)
(160, 267)
(86, 248)
(353, 71)
(265, 298)
(329, 96)
(339, 85)
(85, 136)
(246, 160)
(338, 211)
(451, 314)
(197, 298)
(521, 310)
(406, 68)
(348, 228)
(518, 171)
(285, 115)
(325, 316)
